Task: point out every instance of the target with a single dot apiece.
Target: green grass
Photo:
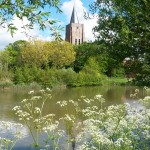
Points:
(117, 81)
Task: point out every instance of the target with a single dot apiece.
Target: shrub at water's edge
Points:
(57, 77)
(26, 76)
(117, 81)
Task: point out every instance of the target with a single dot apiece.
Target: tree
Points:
(33, 10)
(4, 63)
(83, 52)
(123, 26)
(14, 52)
(106, 62)
(61, 54)
(42, 54)
(143, 77)
(34, 53)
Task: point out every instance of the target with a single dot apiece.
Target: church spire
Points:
(74, 17)
(75, 30)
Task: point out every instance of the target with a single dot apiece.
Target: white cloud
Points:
(67, 8)
(88, 25)
(6, 38)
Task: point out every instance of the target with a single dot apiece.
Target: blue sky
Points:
(64, 18)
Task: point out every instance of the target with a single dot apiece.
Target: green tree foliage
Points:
(28, 74)
(34, 53)
(4, 59)
(90, 74)
(91, 66)
(14, 52)
(61, 54)
(40, 53)
(33, 10)
(143, 77)
(4, 62)
(83, 52)
(123, 26)
(5, 73)
(51, 77)
(106, 62)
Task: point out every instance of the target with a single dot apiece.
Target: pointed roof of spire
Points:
(74, 17)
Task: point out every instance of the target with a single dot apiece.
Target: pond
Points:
(112, 95)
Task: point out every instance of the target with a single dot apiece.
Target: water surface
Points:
(12, 97)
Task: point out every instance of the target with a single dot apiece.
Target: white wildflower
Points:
(42, 91)
(31, 92)
(48, 89)
(98, 96)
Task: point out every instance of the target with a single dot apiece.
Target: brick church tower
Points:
(75, 30)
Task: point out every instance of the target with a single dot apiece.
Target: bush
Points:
(18, 76)
(50, 77)
(90, 75)
(120, 72)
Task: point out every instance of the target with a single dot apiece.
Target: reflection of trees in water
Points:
(112, 95)
(115, 95)
(119, 94)
(131, 90)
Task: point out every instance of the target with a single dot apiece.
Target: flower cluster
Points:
(117, 127)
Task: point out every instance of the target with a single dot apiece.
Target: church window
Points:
(75, 41)
(79, 41)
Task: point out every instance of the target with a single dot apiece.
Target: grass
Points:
(117, 81)
(6, 84)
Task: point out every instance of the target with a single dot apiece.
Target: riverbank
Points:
(33, 85)
(118, 81)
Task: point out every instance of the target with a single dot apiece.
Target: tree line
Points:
(121, 48)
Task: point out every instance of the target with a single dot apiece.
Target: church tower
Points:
(75, 30)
